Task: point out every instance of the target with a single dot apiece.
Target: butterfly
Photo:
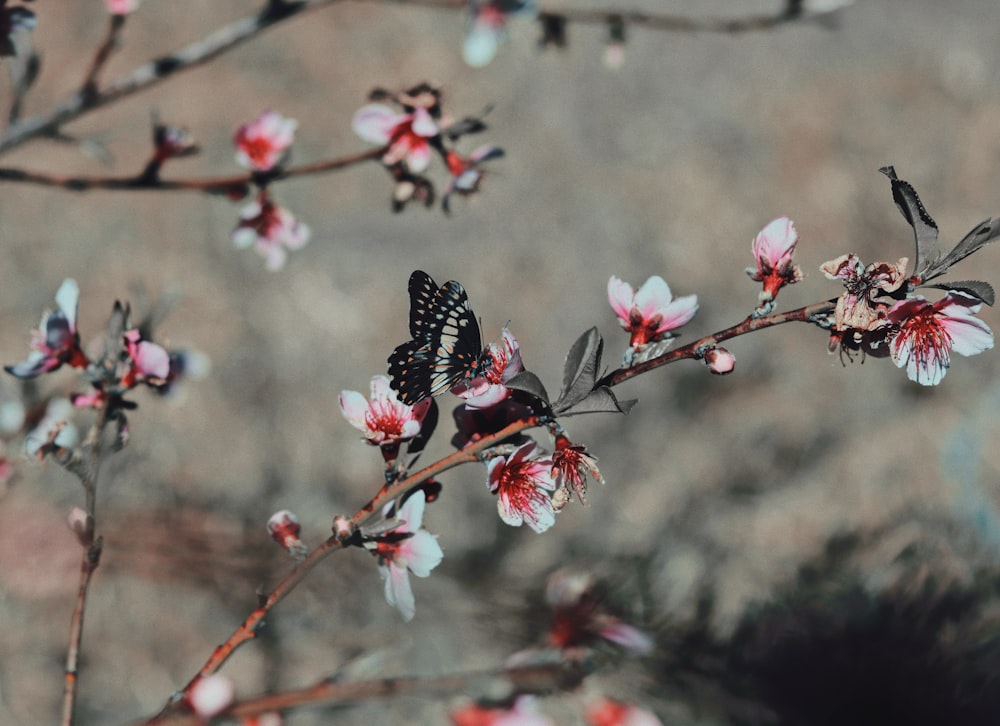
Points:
(446, 349)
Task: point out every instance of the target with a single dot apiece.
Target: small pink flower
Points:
(522, 712)
(150, 362)
(56, 341)
(465, 172)
(272, 229)
(651, 313)
(406, 134)
(607, 712)
(121, 7)
(489, 389)
(407, 548)
(928, 332)
(773, 249)
(386, 419)
(523, 482)
(262, 143)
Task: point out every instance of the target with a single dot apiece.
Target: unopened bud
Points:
(211, 695)
(343, 528)
(284, 529)
(720, 361)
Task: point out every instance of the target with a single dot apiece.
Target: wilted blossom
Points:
(487, 24)
(385, 419)
(858, 307)
(580, 617)
(407, 135)
(56, 341)
(773, 248)
(503, 363)
(929, 332)
(523, 484)
(465, 171)
(407, 548)
(522, 712)
(608, 712)
(650, 313)
(261, 144)
(271, 229)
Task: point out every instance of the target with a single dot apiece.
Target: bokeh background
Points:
(809, 542)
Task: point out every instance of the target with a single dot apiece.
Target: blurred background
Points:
(808, 542)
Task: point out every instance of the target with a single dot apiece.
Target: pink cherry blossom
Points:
(56, 341)
(489, 389)
(570, 466)
(406, 134)
(523, 482)
(284, 528)
(487, 25)
(580, 617)
(650, 313)
(773, 248)
(262, 143)
(385, 419)
(928, 332)
(407, 548)
(150, 362)
(272, 229)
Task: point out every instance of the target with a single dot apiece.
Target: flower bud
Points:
(720, 361)
(211, 695)
(284, 529)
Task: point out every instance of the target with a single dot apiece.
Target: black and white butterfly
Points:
(446, 349)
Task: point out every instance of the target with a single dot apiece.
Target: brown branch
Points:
(237, 184)
(528, 679)
(115, 25)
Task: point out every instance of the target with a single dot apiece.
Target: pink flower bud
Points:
(284, 529)
(77, 521)
(720, 361)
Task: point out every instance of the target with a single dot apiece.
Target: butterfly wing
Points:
(446, 347)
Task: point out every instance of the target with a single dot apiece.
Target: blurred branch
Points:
(115, 25)
(228, 37)
(237, 185)
(538, 679)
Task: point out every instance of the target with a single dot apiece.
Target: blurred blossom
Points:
(211, 695)
(406, 134)
(580, 617)
(407, 548)
(17, 18)
(284, 529)
(650, 313)
(121, 7)
(465, 172)
(489, 389)
(150, 362)
(523, 484)
(606, 712)
(271, 229)
(55, 427)
(385, 419)
(928, 332)
(522, 712)
(487, 25)
(56, 341)
(262, 144)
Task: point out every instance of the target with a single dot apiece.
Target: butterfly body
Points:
(447, 347)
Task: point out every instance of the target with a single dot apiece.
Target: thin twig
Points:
(115, 25)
